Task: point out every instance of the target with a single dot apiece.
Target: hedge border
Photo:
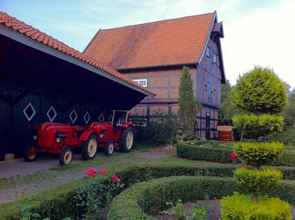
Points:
(142, 198)
(221, 154)
(59, 202)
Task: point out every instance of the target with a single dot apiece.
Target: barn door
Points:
(208, 128)
(26, 117)
(5, 128)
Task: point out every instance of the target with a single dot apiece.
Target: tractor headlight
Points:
(59, 137)
(101, 136)
(58, 140)
(34, 137)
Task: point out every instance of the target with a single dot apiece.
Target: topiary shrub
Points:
(242, 207)
(260, 91)
(258, 181)
(254, 126)
(257, 153)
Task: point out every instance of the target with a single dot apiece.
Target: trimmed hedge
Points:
(204, 152)
(145, 198)
(62, 201)
(221, 154)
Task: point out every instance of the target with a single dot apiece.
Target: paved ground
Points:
(19, 178)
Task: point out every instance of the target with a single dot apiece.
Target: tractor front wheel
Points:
(65, 156)
(89, 148)
(30, 153)
(127, 139)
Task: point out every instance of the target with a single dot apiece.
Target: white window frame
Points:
(143, 82)
(214, 58)
(208, 52)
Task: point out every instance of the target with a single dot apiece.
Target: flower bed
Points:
(146, 198)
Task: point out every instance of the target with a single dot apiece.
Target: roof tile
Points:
(168, 42)
(49, 41)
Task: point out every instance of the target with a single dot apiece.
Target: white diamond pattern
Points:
(87, 117)
(101, 117)
(73, 116)
(29, 112)
(51, 114)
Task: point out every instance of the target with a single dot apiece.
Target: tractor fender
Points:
(85, 135)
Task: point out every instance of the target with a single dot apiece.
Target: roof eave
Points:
(14, 35)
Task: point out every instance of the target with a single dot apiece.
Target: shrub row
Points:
(204, 152)
(69, 200)
(150, 197)
(221, 154)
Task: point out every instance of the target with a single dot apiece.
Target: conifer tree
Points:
(187, 103)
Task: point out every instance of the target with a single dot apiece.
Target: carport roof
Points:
(43, 38)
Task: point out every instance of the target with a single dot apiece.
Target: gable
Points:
(171, 42)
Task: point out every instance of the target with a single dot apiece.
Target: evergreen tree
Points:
(187, 103)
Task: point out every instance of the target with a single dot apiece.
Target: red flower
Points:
(233, 156)
(91, 172)
(116, 179)
(103, 171)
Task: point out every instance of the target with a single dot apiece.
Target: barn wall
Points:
(163, 83)
(208, 90)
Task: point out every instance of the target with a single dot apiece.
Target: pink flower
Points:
(91, 172)
(103, 171)
(233, 156)
(116, 179)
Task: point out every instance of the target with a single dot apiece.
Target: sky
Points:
(257, 32)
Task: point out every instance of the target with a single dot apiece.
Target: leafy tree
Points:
(260, 91)
(289, 112)
(227, 108)
(187, 103)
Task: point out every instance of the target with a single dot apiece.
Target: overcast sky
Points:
(257, 32)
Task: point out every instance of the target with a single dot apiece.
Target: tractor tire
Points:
(65, 156)
(109, 150)
(89, 148)
(30, 153)
(127, 140)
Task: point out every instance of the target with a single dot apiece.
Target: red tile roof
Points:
(161, 43)
(49, 41)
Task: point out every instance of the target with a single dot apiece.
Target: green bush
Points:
(218, 153)
(260, 91)
(160, 130)
(254, 126)
(258, 181)
(256, 153)
(243, 207)
(287, 137)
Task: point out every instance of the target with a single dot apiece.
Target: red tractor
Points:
(62, 139)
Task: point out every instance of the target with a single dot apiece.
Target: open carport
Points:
(42, 79)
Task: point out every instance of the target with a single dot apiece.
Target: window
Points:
(214, 58)
(208, 52)
(141, 82)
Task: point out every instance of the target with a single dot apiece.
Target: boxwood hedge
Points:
(221, 154)
(64, 201)
(150, 197)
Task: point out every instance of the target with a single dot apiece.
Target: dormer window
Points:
(141, 82)
(208, 52)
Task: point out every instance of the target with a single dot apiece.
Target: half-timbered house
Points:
(153, 55)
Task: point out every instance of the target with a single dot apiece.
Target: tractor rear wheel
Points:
(30, 153)
(127, 140)
(65, 156)
(109, 150)
(89, 148)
